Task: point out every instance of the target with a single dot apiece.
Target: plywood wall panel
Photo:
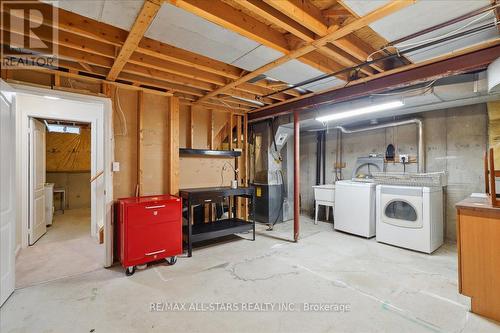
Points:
(201, 126)
(196, 172)
(125, 134)
(68, 152)
(184, 124)
(155, 145)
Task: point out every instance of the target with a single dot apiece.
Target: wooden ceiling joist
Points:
(335, 34)
(102, 39)
(309, 16)
(233, 19)
(144, 18)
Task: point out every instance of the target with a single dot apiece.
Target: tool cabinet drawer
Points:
(154, 213)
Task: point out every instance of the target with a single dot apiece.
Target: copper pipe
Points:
(296, 176)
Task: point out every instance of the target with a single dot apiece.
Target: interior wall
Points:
(77, 186)
(455, 141)
(68, 152)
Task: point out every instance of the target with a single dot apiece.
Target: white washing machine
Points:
(410, 217)
(355, 207)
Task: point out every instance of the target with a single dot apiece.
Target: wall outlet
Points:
(115, 166)
(403, 158)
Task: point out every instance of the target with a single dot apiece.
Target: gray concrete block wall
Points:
(455, 141)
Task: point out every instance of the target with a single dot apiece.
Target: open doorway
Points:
(61, 240)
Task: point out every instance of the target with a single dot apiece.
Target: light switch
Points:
(116, 166)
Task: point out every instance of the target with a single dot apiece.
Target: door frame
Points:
(32, 102)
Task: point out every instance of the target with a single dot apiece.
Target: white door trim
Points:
(32, 102)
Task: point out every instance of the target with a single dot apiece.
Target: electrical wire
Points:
(397, 48)
(123, 120)
(390, 56)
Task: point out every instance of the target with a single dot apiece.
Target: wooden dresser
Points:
(478, 245)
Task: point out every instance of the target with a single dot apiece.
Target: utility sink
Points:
(324, 192)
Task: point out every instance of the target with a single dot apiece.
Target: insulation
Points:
(68, 152)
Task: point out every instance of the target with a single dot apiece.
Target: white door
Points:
(37, 225)
(7, 197)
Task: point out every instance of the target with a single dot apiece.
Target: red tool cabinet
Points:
(150, 228)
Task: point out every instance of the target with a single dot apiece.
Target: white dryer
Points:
(355, 207)
(410, 217)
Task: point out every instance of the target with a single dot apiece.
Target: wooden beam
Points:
(304, 12)
(144, 18)
(335, 12)
(310, 16)
(230, 18)
(140, 141)
(173, 138)
(309, 47)
(84, 34)
(275, 16)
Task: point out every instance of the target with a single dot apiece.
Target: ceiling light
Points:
(51, 97)
(248, 100)
(361, 111)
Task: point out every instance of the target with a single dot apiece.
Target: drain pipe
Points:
(420, 128)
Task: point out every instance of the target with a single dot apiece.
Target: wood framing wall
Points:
(148, 130)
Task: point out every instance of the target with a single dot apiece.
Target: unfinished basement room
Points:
(250, 166)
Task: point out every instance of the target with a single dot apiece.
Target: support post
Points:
(173, 124)
(140, 140)
(296, 176)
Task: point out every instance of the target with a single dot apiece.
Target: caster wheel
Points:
(130, 270)
(172, 260)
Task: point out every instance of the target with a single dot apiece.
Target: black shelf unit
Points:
(208, 152)
(216, 229)
(197, 232)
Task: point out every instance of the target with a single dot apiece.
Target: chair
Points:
(490, 175)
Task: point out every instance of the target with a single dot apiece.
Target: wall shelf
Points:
(208, 152)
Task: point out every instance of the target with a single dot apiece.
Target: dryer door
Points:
(402, 206)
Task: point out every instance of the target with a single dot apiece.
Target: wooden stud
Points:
(173, 137)
(140, 142)
(57, 80)
(239, 161)
(191, 128)
(211, 129)
(245, 163)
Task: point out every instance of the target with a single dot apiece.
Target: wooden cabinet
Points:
(478, 244)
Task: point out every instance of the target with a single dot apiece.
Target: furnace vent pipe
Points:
(417, 121)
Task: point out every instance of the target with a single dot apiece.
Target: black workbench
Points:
(213, 229)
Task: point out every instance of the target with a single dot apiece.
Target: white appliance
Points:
(410, 217)
(355, 207)
(324, 195)
(49, 203)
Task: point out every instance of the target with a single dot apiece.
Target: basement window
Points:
(56, 128)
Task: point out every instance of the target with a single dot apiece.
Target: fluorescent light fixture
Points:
(63, 129)
(51, 97)
(248, 100)
(361, 111)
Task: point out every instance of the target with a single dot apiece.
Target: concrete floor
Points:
(387, 289)
(66, 249)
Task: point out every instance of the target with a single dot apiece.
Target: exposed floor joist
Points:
(144, 18)
(334, 34)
